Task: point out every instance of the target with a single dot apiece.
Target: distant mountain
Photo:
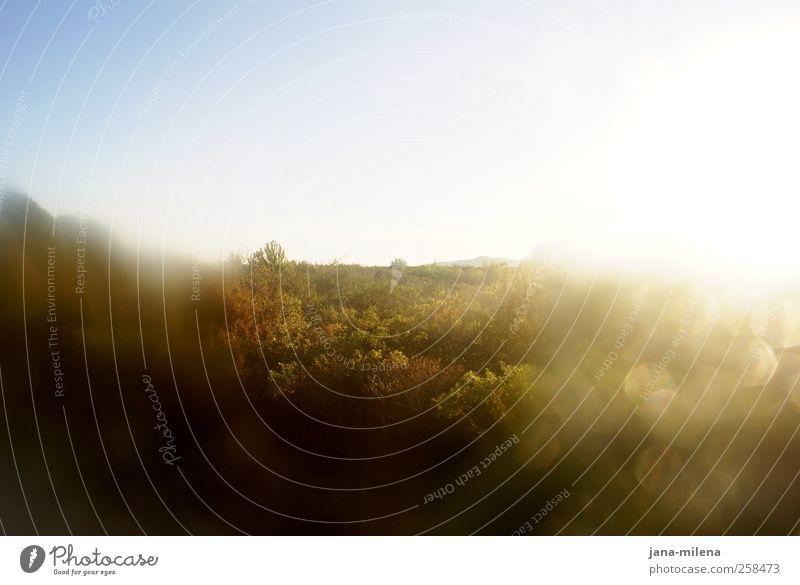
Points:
(481, 261)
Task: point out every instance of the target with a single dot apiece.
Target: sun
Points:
(708, 155)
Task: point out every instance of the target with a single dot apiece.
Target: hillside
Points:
(273, 394)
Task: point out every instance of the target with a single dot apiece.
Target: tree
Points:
(398, 266)
(272, 255)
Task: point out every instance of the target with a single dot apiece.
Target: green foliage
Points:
(317, 333)
(483, 398)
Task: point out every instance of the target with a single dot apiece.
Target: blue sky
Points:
(427, 130)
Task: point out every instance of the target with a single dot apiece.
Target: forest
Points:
(153, 393)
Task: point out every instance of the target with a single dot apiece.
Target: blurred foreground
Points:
(149, 394)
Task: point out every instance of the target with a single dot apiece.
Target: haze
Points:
(640, 134)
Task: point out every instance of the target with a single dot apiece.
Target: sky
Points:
(637, 132)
